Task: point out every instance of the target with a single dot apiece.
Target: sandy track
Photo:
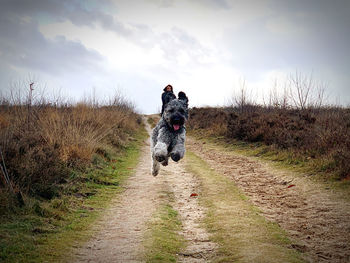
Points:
(183, 184)
(119, 234)
(316, 219)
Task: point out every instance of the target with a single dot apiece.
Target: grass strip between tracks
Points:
(163, 241)
(242, 233)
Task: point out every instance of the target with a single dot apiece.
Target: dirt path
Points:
(119, 234)
(316, 219)
(183, 184)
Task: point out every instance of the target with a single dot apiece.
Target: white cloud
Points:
(208, 85)
(285, 26)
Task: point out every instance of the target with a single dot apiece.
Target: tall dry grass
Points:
(42, 142)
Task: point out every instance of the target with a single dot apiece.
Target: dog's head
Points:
(176, 112)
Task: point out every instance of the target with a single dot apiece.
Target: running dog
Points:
(168, 137)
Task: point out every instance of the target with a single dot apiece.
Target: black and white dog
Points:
(168, 137)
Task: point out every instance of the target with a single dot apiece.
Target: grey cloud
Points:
(323, 40)
(29, 7)
(310, 6)
(326, 23)
(165, 3)
(23, 46)
(220, 4)
(78, 12)
(320, 42)
(142, 35)
(177, 41)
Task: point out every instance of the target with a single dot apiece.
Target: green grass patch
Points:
(153, 119)
(47, 230)
(242, 233)
(162, 241)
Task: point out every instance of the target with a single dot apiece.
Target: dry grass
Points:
(42, 143)
(162, 239)
(153, 120)
(47, 230)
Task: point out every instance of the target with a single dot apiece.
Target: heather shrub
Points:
(283, 128)
(213, 121)
(313, 133)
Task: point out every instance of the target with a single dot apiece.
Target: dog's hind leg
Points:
(155, 166)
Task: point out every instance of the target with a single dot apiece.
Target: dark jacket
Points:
(166, 97)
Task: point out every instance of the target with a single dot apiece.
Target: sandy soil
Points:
(317, 220)
(186, 190)
(119, 234)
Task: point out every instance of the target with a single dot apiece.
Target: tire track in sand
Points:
(317, 220)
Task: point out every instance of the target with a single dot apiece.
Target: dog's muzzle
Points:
(177, 121)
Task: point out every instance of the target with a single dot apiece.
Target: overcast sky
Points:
(202, 47)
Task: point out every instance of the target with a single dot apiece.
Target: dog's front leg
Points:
(178, 151)
(162, 145)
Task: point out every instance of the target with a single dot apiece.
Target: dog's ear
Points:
(182, 96)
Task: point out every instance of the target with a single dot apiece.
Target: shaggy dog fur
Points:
(168, 137)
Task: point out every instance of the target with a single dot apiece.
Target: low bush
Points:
(213, 121)
(322, 133)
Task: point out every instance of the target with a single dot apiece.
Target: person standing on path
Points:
(167, 96)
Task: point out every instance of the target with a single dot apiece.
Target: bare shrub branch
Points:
(241, 98)
(305, 92)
